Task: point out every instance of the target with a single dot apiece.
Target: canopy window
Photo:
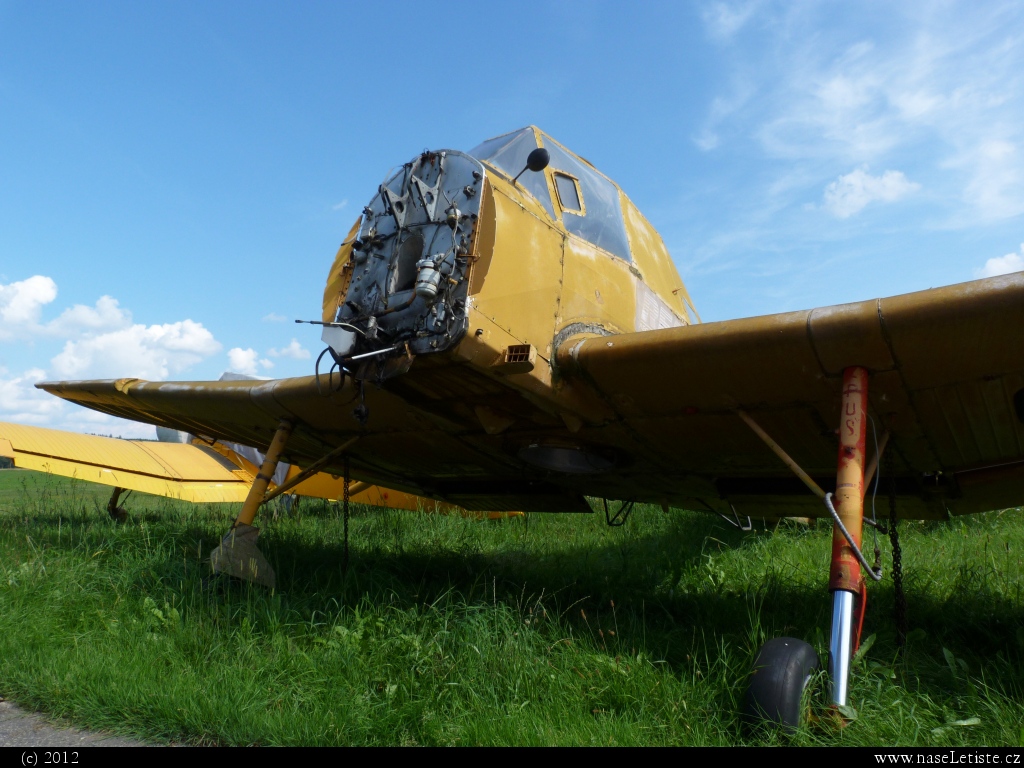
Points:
(508, 153)
(568, 190)
(598, 219)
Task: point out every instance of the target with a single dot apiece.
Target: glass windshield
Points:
(602, 225)
(508, 153)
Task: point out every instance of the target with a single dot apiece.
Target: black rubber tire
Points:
(783, 668)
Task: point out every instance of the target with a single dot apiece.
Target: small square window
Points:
(568, 193)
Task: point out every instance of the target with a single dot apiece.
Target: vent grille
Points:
(518, 353)
(517, 358)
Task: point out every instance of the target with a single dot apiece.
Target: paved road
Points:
(19, 728)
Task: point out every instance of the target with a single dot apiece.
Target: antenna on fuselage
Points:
(536, 161)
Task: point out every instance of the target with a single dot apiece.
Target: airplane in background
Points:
(505, 330)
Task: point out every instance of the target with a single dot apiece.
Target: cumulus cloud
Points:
(22, 302)
(849, 194)
(247, 361)
(1002, 265)
(294, 350)
(273, 317)
(81, 320)
(21, 305)
(147, 352)
(99, 341)
(340, 206)
(21, 402)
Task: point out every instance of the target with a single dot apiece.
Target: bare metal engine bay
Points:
(408, 290)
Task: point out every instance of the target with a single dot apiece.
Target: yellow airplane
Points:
(505, 330)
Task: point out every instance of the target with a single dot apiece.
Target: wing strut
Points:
(309, 471)
(237, 554)
(777, 450)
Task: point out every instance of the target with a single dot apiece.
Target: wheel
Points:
(783, 668)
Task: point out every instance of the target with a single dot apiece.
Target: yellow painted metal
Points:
(163, 469)
(528, 267)
(259, 485)
(597, 288)
(653, 261)
(523, 270)
(172, 461)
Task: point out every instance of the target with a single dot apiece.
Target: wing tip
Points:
(55, 387)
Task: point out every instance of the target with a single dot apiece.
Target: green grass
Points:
(553, 629)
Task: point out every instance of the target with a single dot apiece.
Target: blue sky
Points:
(175, 178)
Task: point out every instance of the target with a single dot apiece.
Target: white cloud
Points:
(849, 194)
(722, 108)
(98, 342)
(294, 350)
(81, 320)
(706, 140)
(21, 402)
(340, 206)
(243, 360)
(936, 87)
(273, 317)
(1002, 265)
(21, 303)
(147, 352)
(996, 185)
(723, 20)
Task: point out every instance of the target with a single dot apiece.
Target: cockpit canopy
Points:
(587, 201)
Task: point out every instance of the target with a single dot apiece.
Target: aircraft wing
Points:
(414, 449)
(947, 379)
(188, 472)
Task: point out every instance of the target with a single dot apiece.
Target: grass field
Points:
(550, 629)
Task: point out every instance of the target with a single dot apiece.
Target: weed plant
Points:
(548, 629)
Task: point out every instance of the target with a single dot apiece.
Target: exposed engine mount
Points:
(408, 289)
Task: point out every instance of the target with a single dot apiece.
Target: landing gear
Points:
(237, 554)
(119, 514)
(784, 664)
(782, 671)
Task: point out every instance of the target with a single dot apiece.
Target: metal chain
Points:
(897, 557)
(344, 556)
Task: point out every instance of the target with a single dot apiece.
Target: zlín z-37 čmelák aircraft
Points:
(506, 331)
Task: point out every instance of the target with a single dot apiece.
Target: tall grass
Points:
(544, 630)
